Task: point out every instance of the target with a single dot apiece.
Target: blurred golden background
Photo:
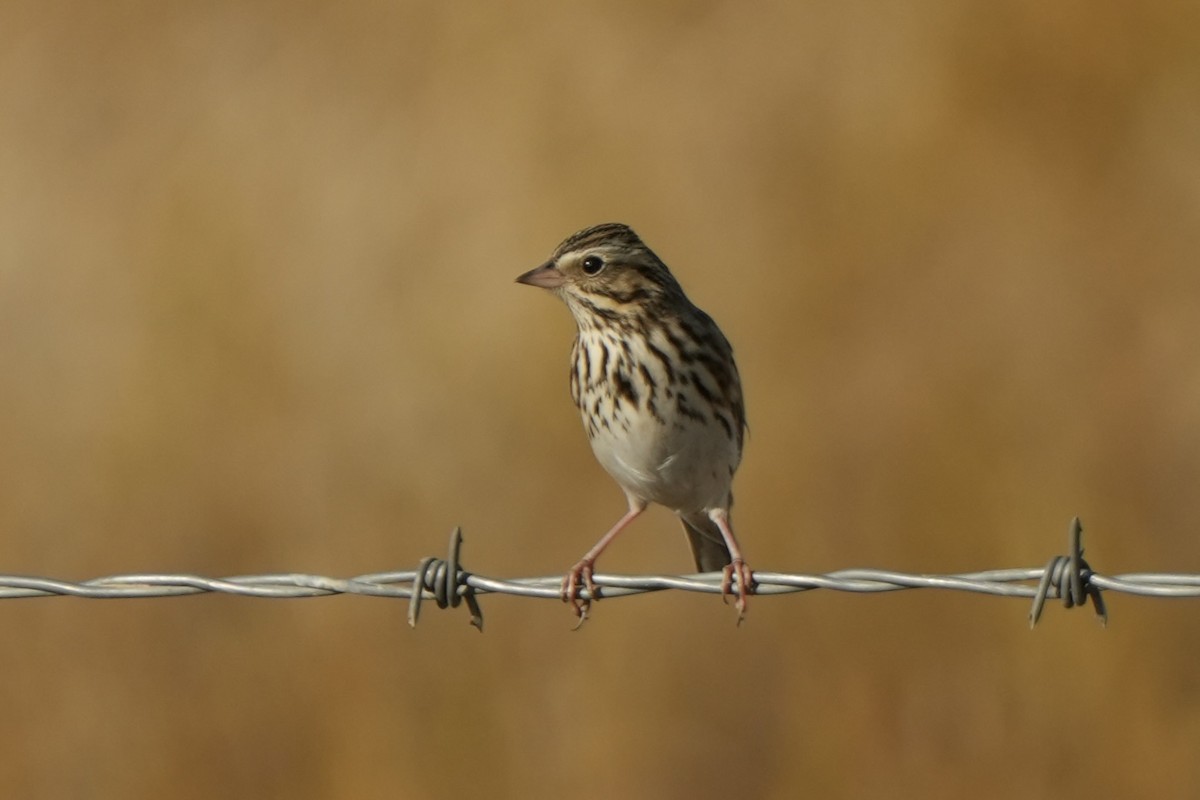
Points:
(257, 314)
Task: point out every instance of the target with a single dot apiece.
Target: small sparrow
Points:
(657, 388)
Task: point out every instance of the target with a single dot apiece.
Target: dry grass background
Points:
(257, 313)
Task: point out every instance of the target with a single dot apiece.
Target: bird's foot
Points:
(744, 585)
(576, 580)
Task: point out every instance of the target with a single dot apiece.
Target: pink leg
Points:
(737, 566)
(580, 575)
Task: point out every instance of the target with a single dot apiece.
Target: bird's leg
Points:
(737, 566)
(580, 576)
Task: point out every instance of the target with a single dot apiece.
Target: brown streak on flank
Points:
(652, 407)
(679, 345)
(647, 377)
(663, 358)
(701, 388)
(652, 391)
(624, 386)
(682, 405)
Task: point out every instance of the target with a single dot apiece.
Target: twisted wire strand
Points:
(1068, 578)
(1002, 582)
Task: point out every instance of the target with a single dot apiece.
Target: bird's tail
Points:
(708, 545)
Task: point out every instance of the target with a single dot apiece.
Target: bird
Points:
(659, 394)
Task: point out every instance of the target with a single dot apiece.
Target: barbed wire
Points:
(1068, 578)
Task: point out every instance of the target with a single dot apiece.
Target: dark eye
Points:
(592, 265)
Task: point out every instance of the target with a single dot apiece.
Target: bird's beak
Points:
(546, 276)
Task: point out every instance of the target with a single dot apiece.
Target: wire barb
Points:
(1071, 578)
(446, 582)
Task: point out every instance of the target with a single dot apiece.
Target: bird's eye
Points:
(592, 265)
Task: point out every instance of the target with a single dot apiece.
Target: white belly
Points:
(683, 465)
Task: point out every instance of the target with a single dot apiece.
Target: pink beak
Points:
(546, 276)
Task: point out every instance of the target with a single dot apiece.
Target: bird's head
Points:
(606, 272)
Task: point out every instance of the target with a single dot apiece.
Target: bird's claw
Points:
(578, 579)
(744, 584)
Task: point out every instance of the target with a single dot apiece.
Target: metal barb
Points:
(446, 583)
(1070, 575)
